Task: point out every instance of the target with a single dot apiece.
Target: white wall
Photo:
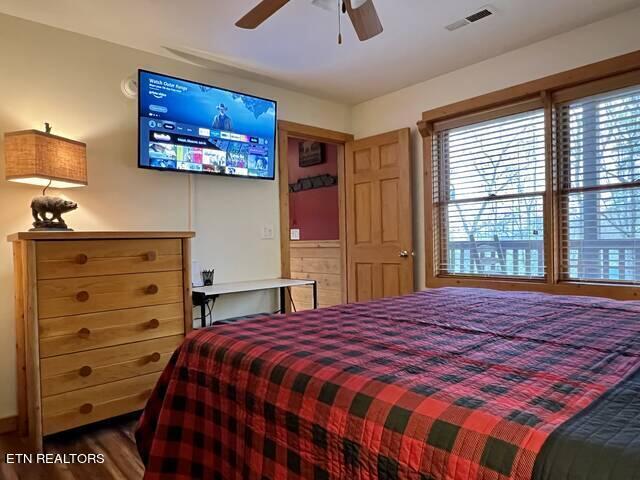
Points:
(609, 38)
(73, 82)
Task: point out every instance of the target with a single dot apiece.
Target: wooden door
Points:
(379, 216)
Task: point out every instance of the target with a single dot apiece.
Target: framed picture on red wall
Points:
(311, 153)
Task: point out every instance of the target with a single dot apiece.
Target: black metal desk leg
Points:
(200, 300)
(283, 307)
(213, 304)
(315, 295)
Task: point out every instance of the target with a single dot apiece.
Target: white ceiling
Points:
(298, 46)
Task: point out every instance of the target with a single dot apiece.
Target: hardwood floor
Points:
(114, 439)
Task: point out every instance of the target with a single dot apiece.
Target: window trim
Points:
(523, 106)
(612, 74)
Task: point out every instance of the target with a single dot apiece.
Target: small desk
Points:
(201, 295)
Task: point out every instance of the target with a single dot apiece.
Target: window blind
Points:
(598, 144)
(489, 187)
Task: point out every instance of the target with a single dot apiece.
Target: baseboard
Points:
(8, 424)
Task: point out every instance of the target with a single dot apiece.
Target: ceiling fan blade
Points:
(260, 13)
(365, 19)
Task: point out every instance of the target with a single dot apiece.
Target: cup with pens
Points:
(207, 277)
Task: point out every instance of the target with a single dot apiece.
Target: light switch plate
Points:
(295, 234)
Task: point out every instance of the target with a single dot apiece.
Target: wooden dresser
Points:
(98, 315)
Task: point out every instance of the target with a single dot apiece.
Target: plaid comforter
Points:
(453, 384)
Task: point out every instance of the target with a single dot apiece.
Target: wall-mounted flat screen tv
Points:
(190, 127)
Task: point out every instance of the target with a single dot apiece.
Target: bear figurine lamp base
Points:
(40, 158)
(56, 206)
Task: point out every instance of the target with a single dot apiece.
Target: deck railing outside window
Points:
(618, 260)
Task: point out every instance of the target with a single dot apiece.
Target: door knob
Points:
(404, 254)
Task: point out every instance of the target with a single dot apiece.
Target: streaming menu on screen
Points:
(194, 128)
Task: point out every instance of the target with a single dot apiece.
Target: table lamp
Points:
(40, 158)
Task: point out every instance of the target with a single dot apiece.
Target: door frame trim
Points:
(287, 130)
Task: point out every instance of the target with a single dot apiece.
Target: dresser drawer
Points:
(65, 373)
(77, 333)
(86, 258)
(73, 296)
(72, 409)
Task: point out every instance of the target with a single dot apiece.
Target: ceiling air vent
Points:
(484, 13)
(481, 14)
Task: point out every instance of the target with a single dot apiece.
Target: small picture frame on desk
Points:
(196, 278)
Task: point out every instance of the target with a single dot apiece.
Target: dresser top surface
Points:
(112, 235)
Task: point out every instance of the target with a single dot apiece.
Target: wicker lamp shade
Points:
(38, 158)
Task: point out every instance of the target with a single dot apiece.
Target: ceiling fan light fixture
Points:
(355, 4)
(327, 5)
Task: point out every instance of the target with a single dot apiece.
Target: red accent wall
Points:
(314, 212)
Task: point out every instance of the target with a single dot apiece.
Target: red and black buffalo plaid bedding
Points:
(452, 384)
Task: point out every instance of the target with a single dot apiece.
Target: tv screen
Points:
(191, 127)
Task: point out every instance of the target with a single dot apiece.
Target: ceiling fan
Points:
(362, 13)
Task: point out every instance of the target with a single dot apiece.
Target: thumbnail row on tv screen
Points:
(190, 127)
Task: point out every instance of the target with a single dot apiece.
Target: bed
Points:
(447, 384)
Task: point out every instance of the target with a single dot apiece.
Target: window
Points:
(599, 157)
(489, 194)
(544, 189)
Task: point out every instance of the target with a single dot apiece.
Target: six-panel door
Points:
(379, 217)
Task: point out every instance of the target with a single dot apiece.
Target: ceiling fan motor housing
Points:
(357, 3)
(330, 5)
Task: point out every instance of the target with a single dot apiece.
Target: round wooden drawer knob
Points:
(86, 371)
(152, 289)
(154, 323)
(151, 256)
(82, 296)
(84, 333)
(86, 408)
(81, 259)
(154, 357)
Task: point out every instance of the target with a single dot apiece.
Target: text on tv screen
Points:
(191, 127)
